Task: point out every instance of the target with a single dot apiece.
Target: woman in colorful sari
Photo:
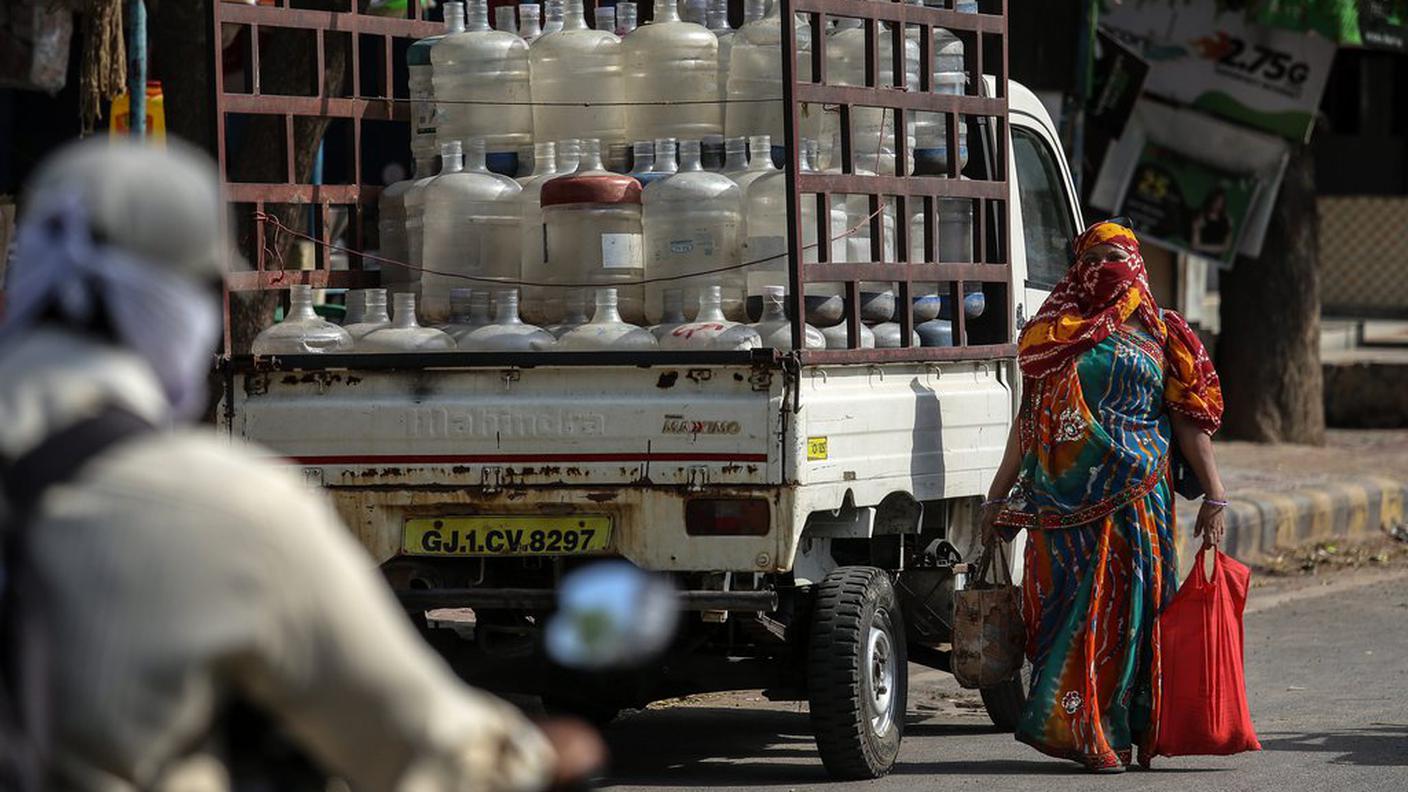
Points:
(1110, 381)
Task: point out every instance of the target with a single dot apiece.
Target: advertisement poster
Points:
(1189, 205)
(1383, 24)
(1119, 80)
(1219, 62)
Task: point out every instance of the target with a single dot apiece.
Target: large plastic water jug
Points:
(469, 311)
(692, 224)
(665, 162)
(710, 329)
(405, 333)
(392, 223)
(592, 222)
(530, 22)
(302, 332)
(765, 249)
(735, 158)
(671, 61)
(626, 15)
(508, 332)
(950, 77)
(955, 230)
(408, 278)
(374, 315)
(759, 164)
(607, 330)
(755, 104)
(471, 228)
(482, 86)
(775, 329)
(872, 129)
(717, 22)
(578, 89)
(421, 83)
(642, 158)
(530, 234)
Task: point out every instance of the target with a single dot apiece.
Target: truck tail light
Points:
(727, 517)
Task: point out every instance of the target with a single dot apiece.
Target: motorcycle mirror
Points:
(611, 614)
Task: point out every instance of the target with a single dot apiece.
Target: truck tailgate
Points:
(569, 425)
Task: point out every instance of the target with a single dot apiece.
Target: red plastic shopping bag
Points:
(1204, 704)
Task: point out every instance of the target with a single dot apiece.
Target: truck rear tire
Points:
(857, 673)
(1006, 702)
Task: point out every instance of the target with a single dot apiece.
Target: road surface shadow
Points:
(713, 746)
(1377, 745)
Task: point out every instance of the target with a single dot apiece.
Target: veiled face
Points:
(1103, 253)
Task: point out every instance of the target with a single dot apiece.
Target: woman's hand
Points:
(987, 520)
(1210, 524)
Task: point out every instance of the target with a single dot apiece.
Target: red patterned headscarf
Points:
(1094, 300)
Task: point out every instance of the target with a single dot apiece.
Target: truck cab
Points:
(810, 515)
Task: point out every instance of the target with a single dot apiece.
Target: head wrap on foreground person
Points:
(126, 242)
(1096, 298)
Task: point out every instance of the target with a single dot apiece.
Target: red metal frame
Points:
(355, 107)
(992, 195)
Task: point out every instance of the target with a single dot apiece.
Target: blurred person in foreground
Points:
(171, 573)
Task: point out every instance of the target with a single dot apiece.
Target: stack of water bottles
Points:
(582, 187)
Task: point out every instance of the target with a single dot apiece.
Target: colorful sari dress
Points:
(1100, 557)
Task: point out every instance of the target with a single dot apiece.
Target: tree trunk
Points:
(1268, 354)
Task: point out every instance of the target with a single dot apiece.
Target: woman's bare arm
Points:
(1002, 483)
(1197, 449)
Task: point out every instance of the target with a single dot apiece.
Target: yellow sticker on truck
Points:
(816, 448)
(506, 535)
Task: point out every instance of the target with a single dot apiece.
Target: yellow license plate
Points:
(522, 535)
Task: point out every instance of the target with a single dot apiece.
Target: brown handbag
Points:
(989, 637)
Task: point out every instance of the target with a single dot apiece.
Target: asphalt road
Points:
(1327, 674)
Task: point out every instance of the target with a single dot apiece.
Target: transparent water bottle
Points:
(554, 16)
(717, 22)
(605, 18)
(574, 314)
(507, 333)
(393, 223)
(872, 129)
(735, 158)
(504, 20)
(486, 248)
(672, 315)
(374, 315)
(469, 311)
(530, 229)
(755, 80)
(671, 60)
(354, 304)
(665, 163)
(592, 222)
(530, 22)
(765, 249)
(692, 224)
(544, 161)
(579, 69)
(935, 333)
(888, 335)
(405, 333)
(759, 165)
(607, 330)
(642, 159)
(710, 330)
(753, 10)
(424, 144)
(711, 153)
(693, 11)
(626, 15)
(302, 332)
(837, 338)
(955, 231)
(775, 329)
(482, 86)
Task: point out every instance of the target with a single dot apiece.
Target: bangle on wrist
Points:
(993, 502)
(1221, 504)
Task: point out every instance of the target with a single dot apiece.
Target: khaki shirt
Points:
(181, 570)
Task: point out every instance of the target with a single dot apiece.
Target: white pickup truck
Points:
(809, 514)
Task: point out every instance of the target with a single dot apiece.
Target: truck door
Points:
(1047, 215)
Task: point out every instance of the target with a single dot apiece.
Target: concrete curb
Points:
(1259, 522)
